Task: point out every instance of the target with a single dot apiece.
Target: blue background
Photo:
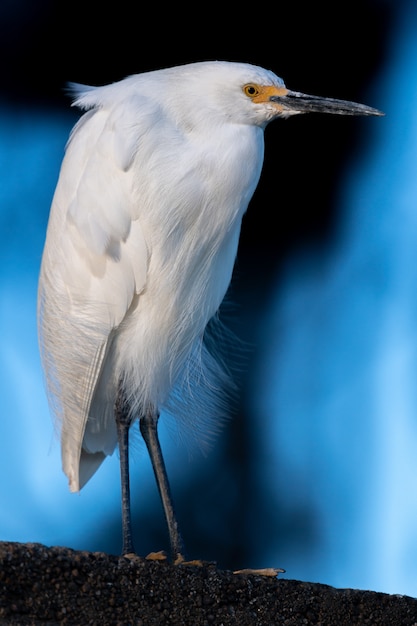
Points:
(316, 470)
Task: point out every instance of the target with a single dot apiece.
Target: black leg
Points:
(123, 425)
(148, 425)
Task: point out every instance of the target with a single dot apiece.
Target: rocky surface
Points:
(40, 585)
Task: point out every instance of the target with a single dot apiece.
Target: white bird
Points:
(140, 248)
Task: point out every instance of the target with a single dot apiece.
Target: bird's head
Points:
(245, 93)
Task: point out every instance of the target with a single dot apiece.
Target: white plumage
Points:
(142, 238)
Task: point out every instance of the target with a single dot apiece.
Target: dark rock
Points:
(40, 585)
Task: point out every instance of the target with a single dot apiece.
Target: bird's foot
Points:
(180, 560)
(131, 556)
(156, 556)
(266, 571)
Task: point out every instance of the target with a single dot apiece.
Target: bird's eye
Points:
(251, 90)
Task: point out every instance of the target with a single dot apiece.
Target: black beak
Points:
(296, 102)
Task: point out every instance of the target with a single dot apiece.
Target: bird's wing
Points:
(95, 261)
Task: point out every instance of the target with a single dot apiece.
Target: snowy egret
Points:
(140, 249)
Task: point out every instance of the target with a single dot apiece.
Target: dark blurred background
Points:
(292, 480)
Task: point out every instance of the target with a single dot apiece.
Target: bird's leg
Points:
(148, 425)
(123, 424)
